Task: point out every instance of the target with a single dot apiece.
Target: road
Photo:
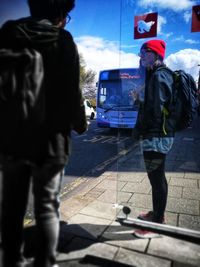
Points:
(92, 152)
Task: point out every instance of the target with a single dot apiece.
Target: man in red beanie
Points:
(155, 127)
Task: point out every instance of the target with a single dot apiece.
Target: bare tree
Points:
(87, 80)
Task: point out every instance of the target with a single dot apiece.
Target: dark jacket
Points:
(63, 98)
(152, 120)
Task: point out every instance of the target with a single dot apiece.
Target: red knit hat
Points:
(158, 46)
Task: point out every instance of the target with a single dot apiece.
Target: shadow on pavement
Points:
(73, 238)
(68, 232)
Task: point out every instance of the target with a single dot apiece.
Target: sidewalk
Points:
(90, 235)
(91, 214)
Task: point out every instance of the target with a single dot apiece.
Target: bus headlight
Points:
(101, 115)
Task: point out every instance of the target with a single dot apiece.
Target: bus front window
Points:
(109, 94)
(116, 94)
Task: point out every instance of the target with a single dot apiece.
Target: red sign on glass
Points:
(145, 26)
(196, 19)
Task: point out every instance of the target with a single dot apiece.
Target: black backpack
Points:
(21, 96)
(184, 104)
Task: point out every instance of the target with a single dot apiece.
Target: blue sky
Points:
(103, 31)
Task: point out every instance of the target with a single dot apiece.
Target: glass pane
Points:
(182, 168)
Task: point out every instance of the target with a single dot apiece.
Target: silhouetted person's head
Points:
(53, 10)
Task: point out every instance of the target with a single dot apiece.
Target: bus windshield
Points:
(117, 98)
(118, 93)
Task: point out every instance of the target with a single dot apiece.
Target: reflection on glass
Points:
(118, 89)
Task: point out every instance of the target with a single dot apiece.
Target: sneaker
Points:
(146, 216)
(145, 234)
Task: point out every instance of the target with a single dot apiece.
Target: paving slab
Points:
(141, 200)
(181, 264)
(175, 191)
(111, 184)
(111, 196)
(100, 209)
(90, 226)
(80, 247)
(176, 174)
(191, 193)
(137, 188)
(73, 205)
(137, 259)
(189, 221)
(122, 236)
(95, 192)
(180, 205)
(183, 182)
(192, 175)
(177, 250)
(132, 177)
(171, 218)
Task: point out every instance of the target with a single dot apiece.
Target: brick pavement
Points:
(91, 214)
(90, 234)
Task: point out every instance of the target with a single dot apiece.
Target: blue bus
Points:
(116, 105)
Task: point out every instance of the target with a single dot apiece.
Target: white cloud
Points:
(186, 59)
(190, 41)
(168, 34)
(187, 16)
(176, 5)
(101, 54)
(161, 22)
(179, 39)
(183, 40)
(129, 46)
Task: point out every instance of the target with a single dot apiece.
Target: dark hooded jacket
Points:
(63, 99)
(152, 120)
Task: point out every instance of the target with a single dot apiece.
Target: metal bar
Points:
(172, 231)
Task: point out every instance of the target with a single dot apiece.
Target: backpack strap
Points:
(165, 110)
(165, 115)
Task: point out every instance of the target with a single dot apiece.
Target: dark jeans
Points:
(46, 185)
(155, 166)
